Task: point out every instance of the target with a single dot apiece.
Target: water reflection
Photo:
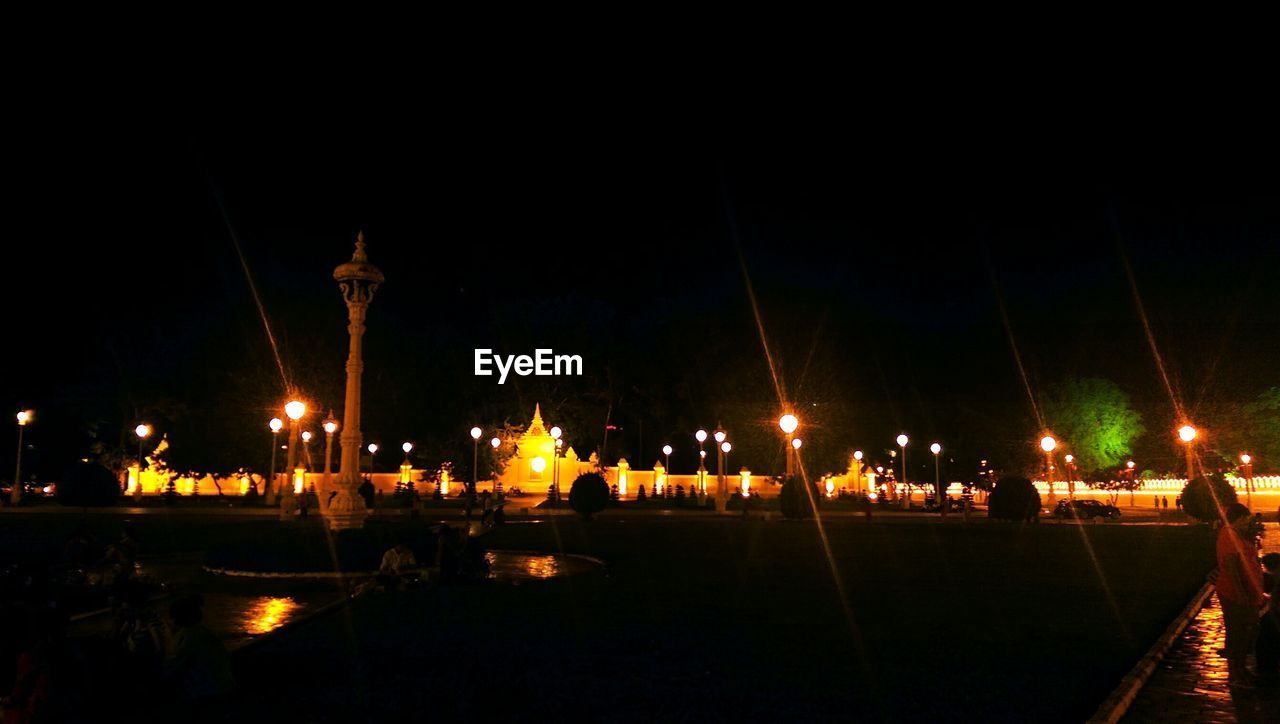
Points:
(267, 613)
(505, 566)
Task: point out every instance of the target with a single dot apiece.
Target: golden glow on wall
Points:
(623, 467)
(659, 478)
(538, 464)
(444, 481)
(746, 482)
(299, 479)
(132, 486)
(406, 472)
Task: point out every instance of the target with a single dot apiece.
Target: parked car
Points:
(1085, 509)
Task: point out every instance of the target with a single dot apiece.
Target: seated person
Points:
(397, 564)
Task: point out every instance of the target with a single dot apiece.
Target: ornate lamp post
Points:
(788, 423)
(1049, 444)
(1071, 476)
(666, 450)
(269, 485)
(15, 495)
(358, 280)
(330, 427)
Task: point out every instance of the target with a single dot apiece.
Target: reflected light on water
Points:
(265, 614)
(520, 566)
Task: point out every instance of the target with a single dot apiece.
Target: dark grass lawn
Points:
(717, 619)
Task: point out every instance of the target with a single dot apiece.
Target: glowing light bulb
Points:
(1047, 443)
(295, 410)
(476, 433)
(935, 448)
(788, 423)
(700, 436)
(903, 440)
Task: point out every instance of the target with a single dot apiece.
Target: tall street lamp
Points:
(1188, 435)
(306, 449)
(788, 423)
(1246, 460)
(1049, 444)
(937, 478)
(555, 433)
(902, 443)
(294, 410)
(857, 464)
(475, 452)
(330, 427)
(269, 485)
(143, 431)
(1071, 476)
(15, 495)
(725, 448)
(358, 280)
(373, 450)
(795, 452)
(666, 450)
(701, 437)
(722, 494)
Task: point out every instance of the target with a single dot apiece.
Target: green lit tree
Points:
(1093, 417)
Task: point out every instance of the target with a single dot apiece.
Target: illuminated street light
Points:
(722, 483)
(475, 454)
(295, 410)
(15, 495)
(373, 450)
(1048, 444)
(1188, 435)
(143, 432)
(796, 443)
(935, 448)
(700, 436)
(1247, 460)
(902, 443)
(406, 447)
(495, 442)
(666, 451)
(306, 436)
(556, 432)
(1071, 476)
(330, 427)
(857, 455)
(269, 485)
(1129, 465)
(725, 447)
(788, 423)
(1070, 458)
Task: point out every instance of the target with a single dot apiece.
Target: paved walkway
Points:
(1191, 683)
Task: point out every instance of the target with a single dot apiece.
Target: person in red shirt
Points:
(1239, 585)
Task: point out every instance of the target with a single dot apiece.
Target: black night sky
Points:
(878, 268)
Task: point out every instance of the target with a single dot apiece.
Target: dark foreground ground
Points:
(705, 619)
(720, 620)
